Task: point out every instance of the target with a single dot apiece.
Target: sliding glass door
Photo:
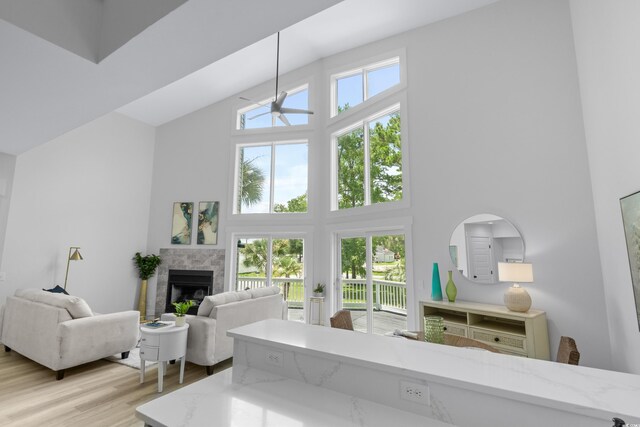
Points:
(371, 280)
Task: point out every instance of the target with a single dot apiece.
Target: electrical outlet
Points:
(414, 392)
(3, 276)
(275, 358)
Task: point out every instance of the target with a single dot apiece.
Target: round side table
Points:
(161, 345)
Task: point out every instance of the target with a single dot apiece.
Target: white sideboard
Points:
(520, 334)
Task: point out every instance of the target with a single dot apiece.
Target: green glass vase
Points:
(451, 289)
(434, 329)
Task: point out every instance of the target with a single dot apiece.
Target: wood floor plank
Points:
(100, 393)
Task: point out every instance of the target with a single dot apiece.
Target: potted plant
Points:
(146, 266)
(318, 291)
(182, 307)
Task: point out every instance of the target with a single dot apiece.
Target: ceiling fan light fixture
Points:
(275, 108)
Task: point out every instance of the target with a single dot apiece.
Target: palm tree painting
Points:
(630, 206)
(208, 223)
(181, 227)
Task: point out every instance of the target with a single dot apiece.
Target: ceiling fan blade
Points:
(281, 98)
(284, 119)
(258, 115)
(295, 111)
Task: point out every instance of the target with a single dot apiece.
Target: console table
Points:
(161, 345)
(520, 334)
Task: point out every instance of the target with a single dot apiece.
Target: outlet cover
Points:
(275, 358)
(415, 392)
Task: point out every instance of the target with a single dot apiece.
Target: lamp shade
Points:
(518, 272)
(76, 256)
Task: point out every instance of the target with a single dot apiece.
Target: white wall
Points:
(88, 188)
(7, 168)
(494, 125)
(606, 37)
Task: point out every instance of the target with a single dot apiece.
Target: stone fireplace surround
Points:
(188, 259)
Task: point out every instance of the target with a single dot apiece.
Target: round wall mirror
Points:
(480, 242)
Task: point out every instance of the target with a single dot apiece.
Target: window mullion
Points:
(268, 270)
(367, 166)
(365, 85)
(273, 176)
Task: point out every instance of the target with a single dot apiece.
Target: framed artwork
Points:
(181, 226)
(630, 206)
(208, 223)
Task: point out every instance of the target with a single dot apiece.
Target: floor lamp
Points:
(75, 256)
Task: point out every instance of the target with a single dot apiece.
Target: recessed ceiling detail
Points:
(93, 29)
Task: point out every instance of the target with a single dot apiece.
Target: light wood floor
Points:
(100, 393)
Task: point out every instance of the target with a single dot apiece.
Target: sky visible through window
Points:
(350, 89)
(290, 174)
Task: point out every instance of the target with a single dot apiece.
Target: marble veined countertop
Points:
(270, 401)
(576, 389)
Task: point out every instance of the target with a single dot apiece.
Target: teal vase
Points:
(451, 289)
(436, 287)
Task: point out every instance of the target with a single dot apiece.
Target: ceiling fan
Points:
(275, 108)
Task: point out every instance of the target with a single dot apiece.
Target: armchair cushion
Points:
(76, 306)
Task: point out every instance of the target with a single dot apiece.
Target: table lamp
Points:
(516, 298)
(75, 256)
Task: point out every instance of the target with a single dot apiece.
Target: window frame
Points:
(239, 111)
(362, 68)
(305, 233)
(373, 111)
(236, 176)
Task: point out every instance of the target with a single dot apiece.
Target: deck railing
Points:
(387, 295)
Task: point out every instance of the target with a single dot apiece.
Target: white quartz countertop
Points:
(577, 389)
(270, 401)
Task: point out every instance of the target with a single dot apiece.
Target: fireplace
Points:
(188, 285)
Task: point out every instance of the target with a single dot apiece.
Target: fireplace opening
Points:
(186, 285)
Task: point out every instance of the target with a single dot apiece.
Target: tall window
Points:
(271, 178)
(258, 116)
(356, 86)
(273, 261)
(368, 158)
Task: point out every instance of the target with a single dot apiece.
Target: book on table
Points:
(155, 325)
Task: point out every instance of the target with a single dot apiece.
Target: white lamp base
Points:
(517, 299)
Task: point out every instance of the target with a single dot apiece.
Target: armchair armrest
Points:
(201, 338)
(91, 338)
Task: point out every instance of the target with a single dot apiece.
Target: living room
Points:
(518, 108)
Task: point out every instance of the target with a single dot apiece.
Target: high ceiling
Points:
(200, 53)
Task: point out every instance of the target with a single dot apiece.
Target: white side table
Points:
(317, 310)
(161, 345)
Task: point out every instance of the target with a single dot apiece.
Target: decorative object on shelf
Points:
(208, 223)
(516, 298)
(181, 226)
(75, 256)
(147, 266)
(318, 291)
(482, 240)
(182, 307)
(451, 289)
(630, 206)
(434, 329)
(436, 287)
